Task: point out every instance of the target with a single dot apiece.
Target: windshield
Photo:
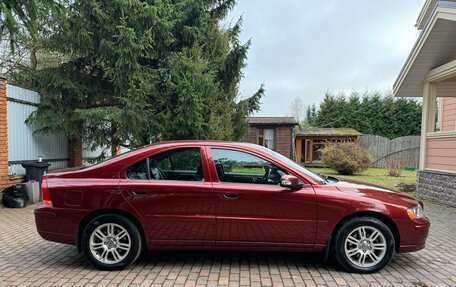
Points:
(293, 164)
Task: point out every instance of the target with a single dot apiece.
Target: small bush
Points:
(396, 162)
(346, 158)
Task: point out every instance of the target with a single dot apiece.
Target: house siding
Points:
(283, 141)
(441, 154)
(448, 114)
(252, 135)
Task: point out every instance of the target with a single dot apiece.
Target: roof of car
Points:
(189, 142)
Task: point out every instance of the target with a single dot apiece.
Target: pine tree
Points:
(23, 26)
(140, 71)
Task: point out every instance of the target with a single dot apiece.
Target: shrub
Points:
(396, 162)
(346, 158)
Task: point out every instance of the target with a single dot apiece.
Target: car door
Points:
(172, 193)
(252, 207)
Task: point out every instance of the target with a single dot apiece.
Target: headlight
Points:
(415, 212)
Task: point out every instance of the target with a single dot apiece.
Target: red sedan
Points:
(219, 195)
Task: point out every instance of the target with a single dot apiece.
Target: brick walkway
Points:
(27, 260)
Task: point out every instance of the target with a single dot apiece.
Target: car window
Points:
(242, 167)
(293, 164)
(138, 171)
(177, 164)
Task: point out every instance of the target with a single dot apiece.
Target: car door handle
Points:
(231, 195)
(139, 193)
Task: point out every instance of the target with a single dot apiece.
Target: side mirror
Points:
(291, 182)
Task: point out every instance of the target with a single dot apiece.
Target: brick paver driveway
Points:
(26, 259)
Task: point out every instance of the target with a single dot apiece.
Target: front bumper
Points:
(413, 234)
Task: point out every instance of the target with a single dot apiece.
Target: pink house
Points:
(430, 72)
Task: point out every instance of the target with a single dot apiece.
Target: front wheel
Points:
(364, 245)
(111, 242)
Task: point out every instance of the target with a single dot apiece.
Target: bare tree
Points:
(396, 162)
(297, 109)
(11, 58)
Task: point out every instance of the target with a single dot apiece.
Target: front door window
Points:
(241, 167)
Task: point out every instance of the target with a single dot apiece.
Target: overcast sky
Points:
(303, 48)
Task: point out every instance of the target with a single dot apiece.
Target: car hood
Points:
(375, 192)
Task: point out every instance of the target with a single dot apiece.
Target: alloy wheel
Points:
(110, 243)
(365, 246)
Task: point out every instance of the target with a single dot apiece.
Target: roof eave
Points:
(419, 21)
(438, 13)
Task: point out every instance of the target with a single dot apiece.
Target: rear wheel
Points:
(364, 245)
(111, 242)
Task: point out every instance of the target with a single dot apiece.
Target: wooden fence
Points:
(405, 150)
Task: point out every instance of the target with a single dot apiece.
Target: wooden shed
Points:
(275, 133)
(309, 141)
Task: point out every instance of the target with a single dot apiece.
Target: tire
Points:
(364, 245)
(111, 242)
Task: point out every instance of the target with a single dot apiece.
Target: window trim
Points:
(148, 167)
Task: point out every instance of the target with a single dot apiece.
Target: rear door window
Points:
(177, 164)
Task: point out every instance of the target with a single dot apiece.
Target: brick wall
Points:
(438, 186)
(4, 180)
(283, 136)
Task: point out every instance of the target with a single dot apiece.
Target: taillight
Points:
(45, 191)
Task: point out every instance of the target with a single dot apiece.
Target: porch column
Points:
(428, 118)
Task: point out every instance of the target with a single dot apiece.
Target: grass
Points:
(254, 170)
(378, 176)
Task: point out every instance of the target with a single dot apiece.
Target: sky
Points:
(303, 48)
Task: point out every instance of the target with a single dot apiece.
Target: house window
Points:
(266, 138)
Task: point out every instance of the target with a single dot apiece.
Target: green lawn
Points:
(254, 170)
(377, 176)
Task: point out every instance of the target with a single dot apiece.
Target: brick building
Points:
(4, 180)
(275, 133)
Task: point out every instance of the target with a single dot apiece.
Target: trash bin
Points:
(34, 193)
(34, 170)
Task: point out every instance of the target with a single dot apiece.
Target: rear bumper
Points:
(58, 225)
(413, 234)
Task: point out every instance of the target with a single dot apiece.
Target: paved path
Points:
(28, 260)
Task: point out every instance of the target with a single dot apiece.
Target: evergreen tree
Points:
(313, 113)
(23, 26)
(370, 113)
(139, 71)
